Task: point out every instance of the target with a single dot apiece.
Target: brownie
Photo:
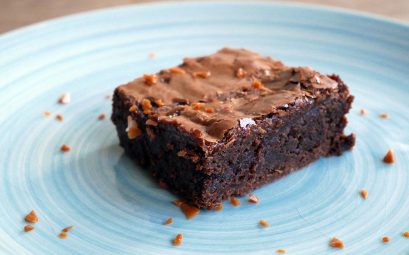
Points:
(224, 124)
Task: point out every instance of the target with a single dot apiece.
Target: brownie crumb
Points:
(218, 207)
(132, 108)
(177, 70)
(364, 193)
(59, 117)
(64, 98)
(385, 239)
(101, 116)
(65, 148)
(257, 84)
(406, 234)
(264, 223)
(253, 199)
(28, 228)
(178, 202)
(150, 79)
(241, 73)
(66, 229)
(31, 217)
(363, 111)
(389, 157)
(280, 251)
(63, 235)
(163, 184)
(234, 201)
(46, 114)
(384, 116)
(168, 221)
(159, 102)
(178, 240)
(201, 74)
(146, 106)
(336, 243)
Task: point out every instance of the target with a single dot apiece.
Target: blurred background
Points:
(18, 13)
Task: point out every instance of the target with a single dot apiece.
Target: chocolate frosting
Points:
(216, 102)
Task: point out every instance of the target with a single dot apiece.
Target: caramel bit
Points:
(159, 102)
(66, 229)
(406, 234)
(134, 132)
(181, 153)
(385, 239)
(218, 207)
(363, 111)
(101, 116)
(132, 108)
(31, 217)
(59, 117)
(257, 84)
(201, 74)
(197, 106)
(150, 122)
(178, 240)
(177, 70)
(150, 79)
(209, 110)
(47, 114)
(336, 243)
(263, 223)
(189, 211)
(65, 148)
(28, 228)
(234, 201)
(63, 235)
(364, 193)
(389, 157)
(384, 116)
(240, 73)
(168, 221)
(146, 106)
(280, 251)
(64, 98)
(253, 199)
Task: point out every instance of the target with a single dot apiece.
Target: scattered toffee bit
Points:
(65, 148)
(150, 122)
(150, 79)
(385, 239)
(168, 221)
(31, 217)
(189, 210)
(336, 243)
(66, 229)
(406, 234)
(389, 157)
(234, 201)
(264, 223)
(64, 98)
(219, 207)
(197, 106)
(257, 84)
(240, 73)
(101, 116)
(363, 111)
(132, 129)
(364, 193)
(132, 108)
(201, 74)
(159, 102)
(46, 114)
(28, 228)
(209, 110)
(63, 235)
(280, 251)
(384, 116)
(178, 240)
(59, 117)
(177, 70)
(253, 199)
(146, 106)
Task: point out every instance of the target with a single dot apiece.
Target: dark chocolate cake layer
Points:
(222, 125)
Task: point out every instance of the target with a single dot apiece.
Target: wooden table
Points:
(18, 13)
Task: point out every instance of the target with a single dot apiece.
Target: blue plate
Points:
(118, 209)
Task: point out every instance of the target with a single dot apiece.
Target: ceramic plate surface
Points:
(117, 208)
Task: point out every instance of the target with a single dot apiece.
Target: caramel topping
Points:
(146, 106)
(178, 240)
(63, 235)
(280, 251)
(197, 106)
(177, 70)
(209, 110)
(240, 73)
(201, 74)
(263, 223)
(150, 79)
(385, 239)
(65, 148)
(168, 221)
(389, 157)
(31, 217)
(189, 211)
(336, 243)
(234, 201)
(28, 228)
(406, 234)
(134, 132)
(66, 229)
(364, 193)
(132, 108)
(219, 207)
(159, 102)
(47, 114)
(253, 199)
(257, 84)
